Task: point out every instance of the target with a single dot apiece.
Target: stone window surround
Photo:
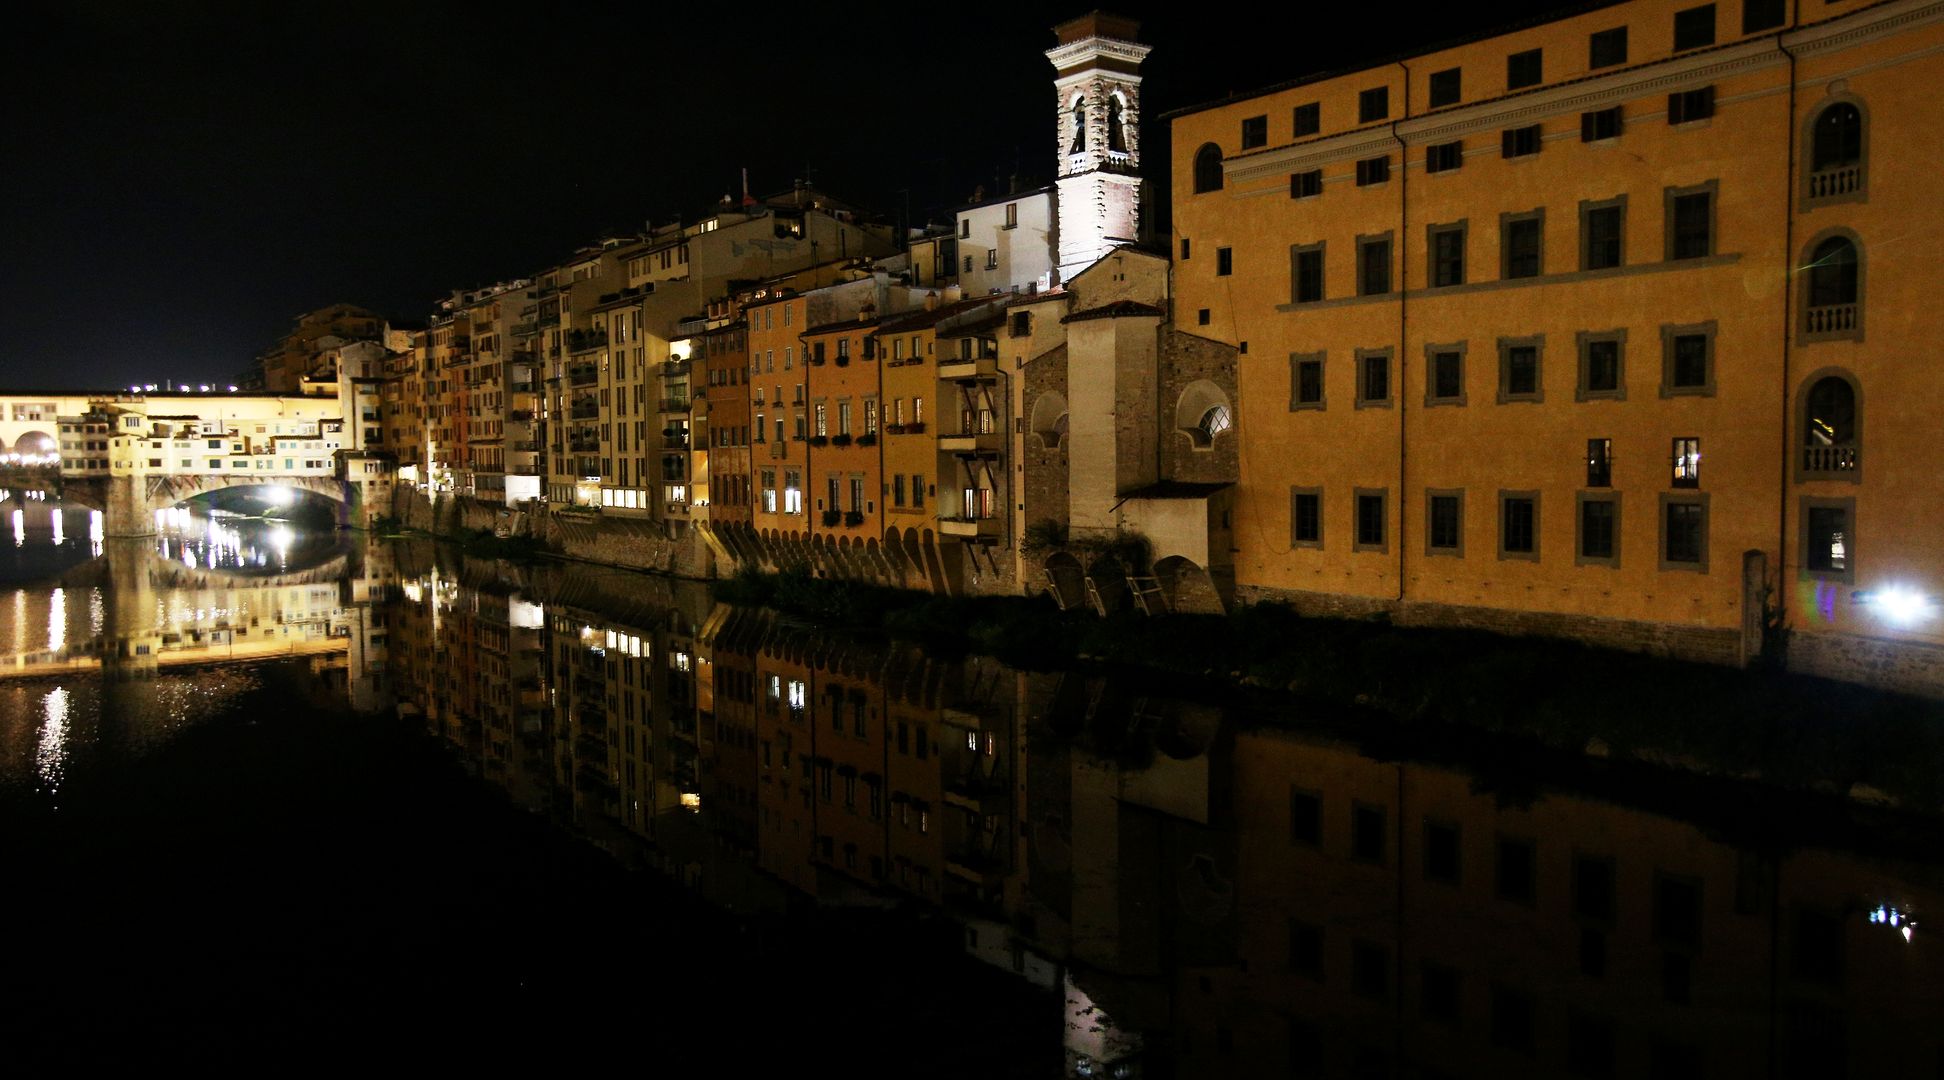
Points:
(1505, 347)
(1838, 95)
(1435, 493)
(1847, 504)
(1580, 558)
(1505, 245)
(1431, 232)
(1668, 498)
(1798, 436)
(1586, 207)
(1366, 239)
(1581, 391)
(1356, 519)
(1296, 360)
(1321, 247)
(1710, 188)
(1431, 373)
(1390, 380)
(1670, 331)
(1505, 496)
(1803, 335)
(1316, 492)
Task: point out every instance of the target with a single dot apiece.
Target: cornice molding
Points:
(1093, 48)
(1862, 26)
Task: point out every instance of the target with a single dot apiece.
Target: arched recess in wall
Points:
(1208, 168)
(1077, 138)
(1829, 423)
(1050, 419)
(1203, 413)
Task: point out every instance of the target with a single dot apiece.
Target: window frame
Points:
(1372, 171)
(1692, 28)
(1749, 19)
(1505, 499)
(1590, 124)
(1587, 208)
(1598, 37)
(1506, 222)
(1373, 104)
(1255, 132)
(1296, 364)
(1431, 354)
(1506, 395)
(1669, 198)
(1435, 157)
(1692, 107)
(1365, 242)
(1224, 261)
(1684, 497)
(1462, 227)
(1510, 138)
(1799, 438)
(1847, 504)
(1306, 119)
(1357, 542)
(1669, 334)
(1431, 550)
(1316, 493)
(1202, 180)
(1583, 342)
(1514, 79)
(1806, 330)
(1300, 182)
(1364, 356)
(1580, 501)
(1861, 192)
(1452, 94)
(1296, 253)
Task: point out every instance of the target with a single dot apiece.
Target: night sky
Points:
(183, 178)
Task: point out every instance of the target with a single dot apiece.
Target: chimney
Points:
(931, 300)
(954, 293)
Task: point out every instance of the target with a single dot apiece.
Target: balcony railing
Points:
(675, 404)
(584, 410)
(1837, 460)
(583, 374)
(1839, 180)
(1832, 319)
(586, 340)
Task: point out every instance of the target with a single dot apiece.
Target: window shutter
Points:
(1586, 127)
(1505, 143)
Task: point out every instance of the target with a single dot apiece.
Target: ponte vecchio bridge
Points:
(130, 454)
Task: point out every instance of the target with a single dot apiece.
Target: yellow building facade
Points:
(1572, 329)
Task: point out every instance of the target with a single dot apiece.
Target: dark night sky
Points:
(183, 178)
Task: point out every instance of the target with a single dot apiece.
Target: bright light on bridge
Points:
(279, 496)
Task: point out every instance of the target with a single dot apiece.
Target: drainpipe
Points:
(1402, 267)
(1788, 313)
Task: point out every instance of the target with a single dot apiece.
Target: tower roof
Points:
(1098, 23)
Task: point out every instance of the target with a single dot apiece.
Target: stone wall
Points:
(1043, 490)
(1909, 667)
(1186, 360)
(638, 544)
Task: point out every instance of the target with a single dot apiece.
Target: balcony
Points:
(1832, 319)
(585, 410)
(673, 439)
(970, 442)
(1837, 181)
(675, 404)
(1838, 462)
(586, 340)
(971, 528)
(583, 374)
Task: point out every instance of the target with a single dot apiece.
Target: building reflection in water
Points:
(1201, 897)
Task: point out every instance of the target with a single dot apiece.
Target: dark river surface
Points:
(269, 801)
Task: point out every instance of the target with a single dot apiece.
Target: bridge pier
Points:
(125, 507)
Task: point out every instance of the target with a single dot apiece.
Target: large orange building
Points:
(1567, 330)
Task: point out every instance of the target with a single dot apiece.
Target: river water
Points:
(270, 798)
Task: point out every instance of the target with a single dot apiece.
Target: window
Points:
(1831, 431)
(1184, 249)
(1371, 533)
(1022, 321)
(1012, 216)
(1690, 222)
(1599, 463)
(1306, 119)
(1208, 169)
(1601, 357)
(1687, 106)
(1519, 525)
(1445, 87)
(1684, 532)
(1367, 833)
(1602, 229)
(918, 494)
(1606, 48)
(1440, 993)
(1836, 152)
(769, 491)
(1687, 359)
(1519, 361)
(1224, 261)
(1694, 28)
(897, 489)
(1445, 515)
(1370, 965)
(1519, 142)
(793, 491)
(1441, 861)
(1835, 278)
(1686, 459)
(1373, 171)
(1521, 244)
(1523, 69)
(1759, 15)
(1201, 317)
(1828, 545)
(1511, 1019)
(1306, 517)
(1305, 185)
(1255, 132)
(992, 259)
(1447, 248)
(1444, 157)
(1600, 124)
(1306, 273)
(1373, 104)
(1516, 874)
(1306, 949)
(1305, 381)
(1444, 374)
(1373, 377)
(1599, 527)
(1373, 265)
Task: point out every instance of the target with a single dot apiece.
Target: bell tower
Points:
(1097, 90)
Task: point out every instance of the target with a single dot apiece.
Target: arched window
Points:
(1838, 138)
(1050, 420)
(1832, 296)
(1838, 141)
(1208, 168)
(1116, 133)
(1202, 412)
(1214, 422)
(1831, 429)
(1079, 127)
